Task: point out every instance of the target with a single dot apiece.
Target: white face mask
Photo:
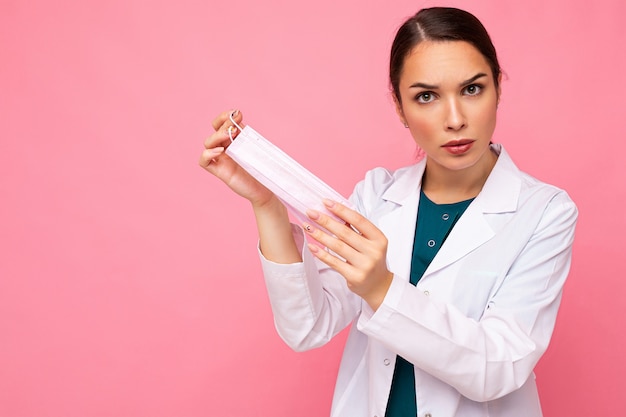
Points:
(293, 184)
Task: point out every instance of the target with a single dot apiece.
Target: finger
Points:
(340, 246)
(223, 136)
(209, 155)
(226, 132)
(224, 117)
(331, 260)
(341, 230)
(354, 218)
(220, 137)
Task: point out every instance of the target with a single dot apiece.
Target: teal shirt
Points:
(434, 223)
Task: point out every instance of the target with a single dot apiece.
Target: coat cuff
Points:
(370, 320)
(276, 268)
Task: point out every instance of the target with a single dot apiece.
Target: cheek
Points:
(483, 118)
(423, 126)
(488, 120)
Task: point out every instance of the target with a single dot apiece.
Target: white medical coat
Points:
(476, 323)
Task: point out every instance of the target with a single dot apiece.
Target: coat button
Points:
(431, 243)
(446, 216)
(386, 362)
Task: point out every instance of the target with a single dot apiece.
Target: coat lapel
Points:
(398, 224)
(500, 194)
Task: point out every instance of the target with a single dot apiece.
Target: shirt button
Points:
(445, 216)
(386, 362)
(428, 415)
(426, 292)
(431, 243)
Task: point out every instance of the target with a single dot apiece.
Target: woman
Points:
(454, 278)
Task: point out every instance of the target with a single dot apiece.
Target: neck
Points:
(444, 186)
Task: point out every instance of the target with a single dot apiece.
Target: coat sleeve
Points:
(311, 302)
(487, 358)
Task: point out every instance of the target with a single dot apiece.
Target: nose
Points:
(455, 117)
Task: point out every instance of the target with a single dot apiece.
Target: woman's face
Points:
(449, 102)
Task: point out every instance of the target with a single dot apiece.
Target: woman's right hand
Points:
(215, 160)
(275, 235)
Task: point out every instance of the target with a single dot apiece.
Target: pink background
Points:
(129, 282)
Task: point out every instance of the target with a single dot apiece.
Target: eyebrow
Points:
(462, 84)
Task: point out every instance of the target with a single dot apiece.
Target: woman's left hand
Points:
(365, 253)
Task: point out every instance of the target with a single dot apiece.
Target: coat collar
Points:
(500, 194)
(501, 191)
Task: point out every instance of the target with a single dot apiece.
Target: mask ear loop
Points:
(230, 134)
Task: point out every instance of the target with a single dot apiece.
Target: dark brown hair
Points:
(439, 24)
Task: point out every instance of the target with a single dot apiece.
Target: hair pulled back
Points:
(439, 24)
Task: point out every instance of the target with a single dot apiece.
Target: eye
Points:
(425, 97)
(473, 89)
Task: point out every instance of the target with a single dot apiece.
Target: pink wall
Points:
(129, 283)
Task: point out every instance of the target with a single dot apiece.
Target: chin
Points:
(458, 162)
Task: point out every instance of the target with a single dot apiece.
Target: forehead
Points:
(440, 62)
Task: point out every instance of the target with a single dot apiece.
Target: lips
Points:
(457, 147)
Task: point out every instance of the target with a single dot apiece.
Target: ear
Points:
(399, 110)
(499, 92)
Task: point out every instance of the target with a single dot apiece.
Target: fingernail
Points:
(216, 151)
(312, 214)
(328, 203)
